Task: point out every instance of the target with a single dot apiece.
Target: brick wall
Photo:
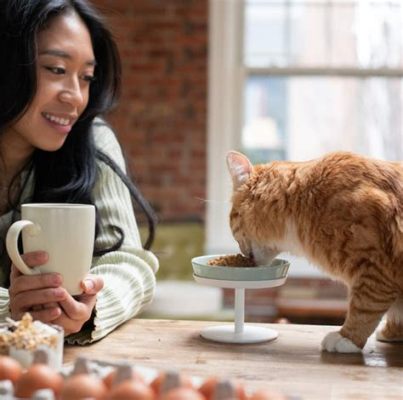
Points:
(161, 118)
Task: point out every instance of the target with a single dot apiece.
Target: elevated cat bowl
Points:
(239, 278)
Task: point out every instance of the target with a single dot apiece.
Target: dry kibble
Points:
(233, 260)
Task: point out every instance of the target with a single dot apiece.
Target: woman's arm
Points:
(129, 272)
(4, 304)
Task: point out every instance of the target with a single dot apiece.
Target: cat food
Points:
(233, 260)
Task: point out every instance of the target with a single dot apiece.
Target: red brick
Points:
(161, 118)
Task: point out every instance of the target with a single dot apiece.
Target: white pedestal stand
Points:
(239, 333)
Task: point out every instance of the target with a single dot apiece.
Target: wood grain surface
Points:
(292, 364)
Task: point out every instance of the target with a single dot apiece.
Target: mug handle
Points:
(12, 244)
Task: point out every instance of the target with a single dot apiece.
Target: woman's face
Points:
(65, 68)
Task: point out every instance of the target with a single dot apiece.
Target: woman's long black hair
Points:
(68, 174)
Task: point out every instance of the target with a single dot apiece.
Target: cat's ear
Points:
(239, 167)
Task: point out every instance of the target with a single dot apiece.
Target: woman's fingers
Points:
(76, 310)
(24, 301)
(32, 259)
(35, 258)
(44, 306)
(44, 315)
(69, 326)
(23, 283)
(75, 313)
(92, 284)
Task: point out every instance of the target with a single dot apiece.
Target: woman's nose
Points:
(72, 93)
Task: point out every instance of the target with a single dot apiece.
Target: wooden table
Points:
(292, 364)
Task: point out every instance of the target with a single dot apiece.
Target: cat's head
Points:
(252, 227)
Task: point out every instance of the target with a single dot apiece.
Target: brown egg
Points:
(82, 386)
(208, 387)
(131, 389)
(111, 376)
(183, 393)
(9, 369)
(264, 394)
(38, 376)
(159, 381)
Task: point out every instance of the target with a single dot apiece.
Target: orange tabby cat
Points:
(342, 212)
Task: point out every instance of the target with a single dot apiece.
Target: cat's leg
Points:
(369, 300)
(393, 330)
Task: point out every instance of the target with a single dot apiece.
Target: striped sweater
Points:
(128, 273)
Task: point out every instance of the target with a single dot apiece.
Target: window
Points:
(294, 79)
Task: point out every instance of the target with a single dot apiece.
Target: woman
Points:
(59, 70)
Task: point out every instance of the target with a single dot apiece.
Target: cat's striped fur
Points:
(344, 213)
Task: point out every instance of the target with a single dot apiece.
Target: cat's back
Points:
(339, 175)
(352, 162)
(350, 170)
(344, 190)
(341, 189)
(346, 202)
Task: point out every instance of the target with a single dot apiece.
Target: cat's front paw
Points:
(336, 343)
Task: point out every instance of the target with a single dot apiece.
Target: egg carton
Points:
(7, 392)
(98, 368)
(170, 380)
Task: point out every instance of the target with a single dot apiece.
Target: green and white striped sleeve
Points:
(4, 304)
(129, 272)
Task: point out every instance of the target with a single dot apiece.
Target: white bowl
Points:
(277, 269)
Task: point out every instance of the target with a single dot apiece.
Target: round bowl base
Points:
(249, 334)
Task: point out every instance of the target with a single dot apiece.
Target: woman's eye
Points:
(89, 78)
(56, 70)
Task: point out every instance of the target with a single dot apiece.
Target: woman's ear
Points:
(239, 167)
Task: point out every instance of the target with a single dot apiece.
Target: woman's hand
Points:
(77, 311)
(37, 294)
(46, 300)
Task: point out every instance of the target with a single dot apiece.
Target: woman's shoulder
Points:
(104, 135)
(106, 141)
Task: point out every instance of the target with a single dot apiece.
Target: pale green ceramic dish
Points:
(276, 270)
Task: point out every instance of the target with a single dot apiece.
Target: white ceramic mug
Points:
(65, 231)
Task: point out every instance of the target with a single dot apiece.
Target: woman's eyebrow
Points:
(63, 54)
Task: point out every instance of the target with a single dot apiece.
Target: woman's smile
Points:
(61, 122)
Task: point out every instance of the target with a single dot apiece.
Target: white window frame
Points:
(225, 104)
(224, 108)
